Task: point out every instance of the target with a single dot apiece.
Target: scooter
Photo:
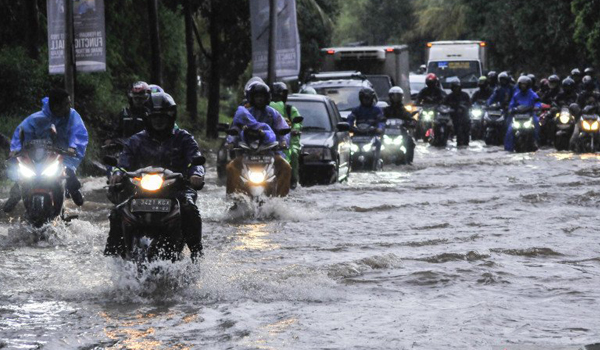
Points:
(588, 140)
(477, 114)
(442, 126)
(523, 129)
(565, 124)
(395, 142)
(493, 123)
(365, 150)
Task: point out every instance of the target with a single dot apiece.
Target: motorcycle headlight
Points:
(151, 182)
(595, 126)
(354, 148)
(398, 140)
(586, 125)
(387, 140)
(477, 113)
(565, 118)
(52, 169)
(403, 149)
(367, 147)
(516, 125)
(528, 124)
(25, 171)
(383, 147)
(256, 177)
(428, 116)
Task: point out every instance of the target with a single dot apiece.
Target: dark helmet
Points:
(431, 80)
(504, 78)
(139, 93)
(568, 84)
(589, 71)
(455, 85)
(367, 96)
(280, 91)
(544, 85)
(492, 76)
(482, 82)
(162, 111)
(257, 89)
(554, 79)
(588, 83)
(533, 79)
(524, 82)
(249, 84)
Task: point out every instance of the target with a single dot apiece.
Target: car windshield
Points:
(467, 71)
(345, 98)
(315, 115)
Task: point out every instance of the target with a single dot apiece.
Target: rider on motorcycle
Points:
(567, 95)
(460, 103)
(592, 73)
(71, 135)
(432, 93)
(367, 112)
(577, 77)
(523, 97)
(396, 110)
(483, 94)
(258, 96)
(492, 78)
(289, 112)
(588, 95)
(160, 145)
(503, 93)
(553, 89)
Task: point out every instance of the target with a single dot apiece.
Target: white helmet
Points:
(396, 90)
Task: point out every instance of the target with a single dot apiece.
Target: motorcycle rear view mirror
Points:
(110, 160)
(297, 120)
(198, 160)
(343, 126)
(233, 132)
(283, 132)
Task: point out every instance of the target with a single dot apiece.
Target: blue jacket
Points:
(370, 115)
(71, 132)
(175, 153)
(248, 116)
(502, 95)
(527, 98)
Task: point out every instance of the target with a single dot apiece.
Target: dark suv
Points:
(344, 92)
(325, 140)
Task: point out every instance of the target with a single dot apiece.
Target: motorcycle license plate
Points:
(151, 205)
(259, 159)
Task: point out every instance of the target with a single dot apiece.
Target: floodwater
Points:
(467, 249)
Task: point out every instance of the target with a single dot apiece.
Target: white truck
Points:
(463, 59)
(384, 66)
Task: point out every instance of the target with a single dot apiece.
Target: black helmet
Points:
(257, 89)
(588, 83)
(568, 84)
(504, 78)
(455, 84)
(492, 77)
(162, 113)
(367, 96)
(524, 80)
(589, 71)
(554, 79)
(280, 91)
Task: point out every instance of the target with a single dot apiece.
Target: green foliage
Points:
(587, 26)
(315, 25)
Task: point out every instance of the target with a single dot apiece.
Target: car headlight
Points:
(367, 147)
(528, 124)
(256, 177)
(477, 113)
(586, 125)
(151, 182)
(52, 169)
(565, 118)
(25, 171)
(354, 148)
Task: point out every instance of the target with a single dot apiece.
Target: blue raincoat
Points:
(502, 95)
(248, 116)
(371, 115)
(529, 99)
(71, 132)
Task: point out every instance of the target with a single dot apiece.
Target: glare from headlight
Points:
(586, 125)
(595, 126)
(383, 147)
(528, 124)
(256, 177)
(354, 148)
(387, 140)
(51, 170)
(398, 140)
(25, 171)
(367, 148)
(403, 149)
(151, 182)
(565, 118)
(516, 125)
(477, 113)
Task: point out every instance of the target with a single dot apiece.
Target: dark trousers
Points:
(462, 128)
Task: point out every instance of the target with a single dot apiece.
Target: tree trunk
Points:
(156, 74)
(32, 27)
(214, 85)
(192, 70)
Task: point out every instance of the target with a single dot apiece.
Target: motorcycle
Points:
(588, 140)
(442, 125)
(523, 130)
(41, 174)
(493, 124)
(427, 115)
(565, 124)
(477, 114)
(151, 215)
(395, 142)
(365, 154)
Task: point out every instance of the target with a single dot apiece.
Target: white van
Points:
(464, 59)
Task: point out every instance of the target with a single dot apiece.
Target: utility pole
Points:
(272, 75)
(69, 51)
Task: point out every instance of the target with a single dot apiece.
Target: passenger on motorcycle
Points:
(289, 112)
(484, 93)
(567, 95)
(523, 97)
(492, 78)
(71, 135)
(460, 103)
(131, 119)
(431, 93)
(503, 93)
(160, 145)
(396, 110)
(259, 96)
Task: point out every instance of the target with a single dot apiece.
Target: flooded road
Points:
(467, 249)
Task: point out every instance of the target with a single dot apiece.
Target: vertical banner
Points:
(288, 41)
(89, 41)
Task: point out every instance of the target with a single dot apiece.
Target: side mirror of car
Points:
(297, 120)
(198, 160)
(283, 132)
(232, 132)
(222, 127)
(110, 160)
(343, 127)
